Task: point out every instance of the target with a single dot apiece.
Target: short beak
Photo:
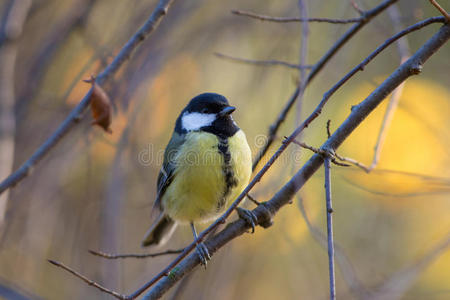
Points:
(227, 111)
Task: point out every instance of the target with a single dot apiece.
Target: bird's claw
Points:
(248, 216)
(203, 254)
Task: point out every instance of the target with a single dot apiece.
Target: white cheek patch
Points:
(195, 120)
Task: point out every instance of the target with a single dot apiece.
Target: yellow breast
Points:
(201, 188)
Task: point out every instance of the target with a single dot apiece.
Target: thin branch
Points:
(146, 255)
(286, 193)
(441, 10)
(273, 129)
(87, 280)
(76, 114)
(294, 19)
(271, 62)
(332, 274)
(353, 162)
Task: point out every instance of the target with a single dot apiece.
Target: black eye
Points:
(205, 111)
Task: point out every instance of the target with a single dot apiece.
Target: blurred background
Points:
(95, 190)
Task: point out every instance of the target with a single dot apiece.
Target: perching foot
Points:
(203, 254)
(248, 216)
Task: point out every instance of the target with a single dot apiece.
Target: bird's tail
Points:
(160, 231)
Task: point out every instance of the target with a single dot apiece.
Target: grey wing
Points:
(168, 169)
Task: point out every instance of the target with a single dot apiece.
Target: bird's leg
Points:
(202, 251)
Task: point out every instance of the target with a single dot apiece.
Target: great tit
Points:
(207, 164)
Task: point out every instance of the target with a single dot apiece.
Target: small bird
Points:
(207, 164)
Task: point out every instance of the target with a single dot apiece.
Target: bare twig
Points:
(327, 163)
(273, 129)
(77, 113)
(353, 162)
(286, 193)
(294, 19)
(321, 152)
(271, 62)
(441, 10)
(87, 280)
(146, 255)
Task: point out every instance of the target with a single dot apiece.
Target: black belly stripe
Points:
(227, 169)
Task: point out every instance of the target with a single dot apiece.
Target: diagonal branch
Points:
(411, 67)
(76, 114)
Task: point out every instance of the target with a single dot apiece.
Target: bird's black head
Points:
(208, 112)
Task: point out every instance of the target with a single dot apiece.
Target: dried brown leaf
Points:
(100, 106)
